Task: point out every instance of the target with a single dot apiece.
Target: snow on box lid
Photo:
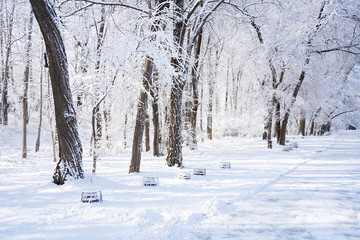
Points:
(150, 181)
(91, 196)
(225, 165)
(184, 175)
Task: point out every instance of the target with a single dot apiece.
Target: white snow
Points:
(312, 192)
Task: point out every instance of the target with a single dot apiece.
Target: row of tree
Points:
(203, 68)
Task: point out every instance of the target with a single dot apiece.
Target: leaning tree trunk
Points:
(70, 149)
(141, 118)
(300, 81)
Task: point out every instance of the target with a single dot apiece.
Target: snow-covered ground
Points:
(312, 192)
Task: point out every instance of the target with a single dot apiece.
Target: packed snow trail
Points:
(312, 192)
(317, 199)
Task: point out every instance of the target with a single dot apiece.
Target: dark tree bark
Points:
(70, 149)
(195, 88)
(174, 156)
(147, 133)
(277, 120)
(181, 65)
(141, 118)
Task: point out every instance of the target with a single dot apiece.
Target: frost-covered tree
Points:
(70, 149)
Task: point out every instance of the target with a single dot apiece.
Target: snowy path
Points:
(310, 193)
(318, 198)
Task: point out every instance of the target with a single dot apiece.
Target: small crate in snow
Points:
(199, 171)
(184, 175)
(89, 197)
(150, 181)
(225, 165)
(287, 148)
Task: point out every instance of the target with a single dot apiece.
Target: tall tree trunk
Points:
(312, 128)
(2, 55)
(147, 133)
(301, 79)
(210, 111)
(195, 88)
(174, 156)
(70, 149)
(141, 118)
(269, 123)
(277, 120)
(6, 74)
(26, 87)
(37, 144)
(302, 123)
(125, 130)
(154, 92)
(180, 64)
(100, 31)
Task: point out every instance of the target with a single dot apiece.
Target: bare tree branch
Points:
(120, 4)
(349, 111)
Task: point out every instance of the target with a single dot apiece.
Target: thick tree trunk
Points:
(174, 156)
(70, 149)
(141, 118)
(26, 88)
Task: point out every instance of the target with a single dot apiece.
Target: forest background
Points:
(178, 72)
